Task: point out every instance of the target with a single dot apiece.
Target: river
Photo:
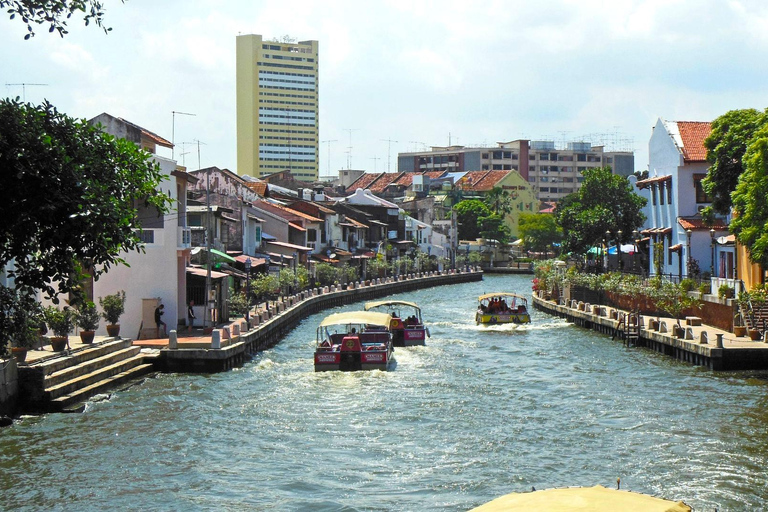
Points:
(477, 413)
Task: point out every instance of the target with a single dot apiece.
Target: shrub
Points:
(687, 284)
(705, 288)
(61, 321)
(725, 291)
(87, 317)
(238, 304)
(113, 306)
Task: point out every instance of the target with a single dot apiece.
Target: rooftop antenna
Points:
(414, 142)
(349, 153)
(24, 88)
(374, 162)
(173, 129)
(389, 150)
(329, 152)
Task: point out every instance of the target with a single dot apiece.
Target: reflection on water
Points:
(478, 412)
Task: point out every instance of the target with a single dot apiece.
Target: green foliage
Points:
(288, 280)
(54, 12)
(20, 317)
(605, 202)
(377, 267)
(326, 274)
(705, 288)
(750, 220)
(671, 298)
(658, 257)
(468, 213)
(493, 227)
(539, 231)
(688, 284)
(498, 201)
(238, 304)
(69, 195)
(61, 321)
(265, 285)
(725, 291)
(113, 306)
(726, 146)
(86, 316)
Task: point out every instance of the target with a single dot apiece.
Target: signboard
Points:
(327, 358)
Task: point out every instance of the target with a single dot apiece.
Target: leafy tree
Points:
(726, 145)
(326, 274)
(493, 227)
(539, 231)
(54, 12)
(750, 222)
(498, 201)
(605, 202)
(468, 212)
(69, 197)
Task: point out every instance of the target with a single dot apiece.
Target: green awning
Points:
(223, 255)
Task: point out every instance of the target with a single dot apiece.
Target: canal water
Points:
(477, 413)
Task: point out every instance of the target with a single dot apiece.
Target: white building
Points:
(677, 164)
(158, 274)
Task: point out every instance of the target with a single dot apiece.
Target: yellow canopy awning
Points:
(582, 499)
(357, 317)
(501, 294)
(378, 303)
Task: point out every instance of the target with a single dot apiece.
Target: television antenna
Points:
(24, 88)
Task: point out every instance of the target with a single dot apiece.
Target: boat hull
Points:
(353, 361)
(502, 318)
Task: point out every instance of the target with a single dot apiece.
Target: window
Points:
(532, 157)
(661, 193)
(507, 155)
(565, 158)
(147, 236)
(531, 179)
(581, 157)
(496, 167)
(669, 191)
(497, 155)
(544, 189)
(544, 179)
(311, 235)
(543, 156)
(507, 167)
(484, 156)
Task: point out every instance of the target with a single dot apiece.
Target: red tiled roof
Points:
(405, 179)
(364, 181)
(278, 209)
(693, 134)
(697, 224)
(434, 174)
(481, 181)
(383, 182)
(258, 187)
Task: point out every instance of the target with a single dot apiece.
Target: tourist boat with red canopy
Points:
(502, 308)
(355, 340)
(407, 327)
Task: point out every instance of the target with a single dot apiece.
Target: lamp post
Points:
(688, 234)
(295, 284)
(634, 252)
(248, 292)
(467, 256)
(618, 251)
(712, 268)
(607, 243)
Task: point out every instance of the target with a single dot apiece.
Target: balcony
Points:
(183, 238)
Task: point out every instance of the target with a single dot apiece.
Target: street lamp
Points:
(688, 234)
(607, 243)
(618, 251)
(248, 292)
(295, 285)
(712, 268)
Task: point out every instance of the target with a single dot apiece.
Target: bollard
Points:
(216, 339)
(173, 341)
(719, 340)
(235, 330)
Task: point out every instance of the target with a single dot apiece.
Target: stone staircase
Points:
(64, 382)
(759, 318)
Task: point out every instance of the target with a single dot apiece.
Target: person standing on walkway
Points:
(159, 321)
(191, 315)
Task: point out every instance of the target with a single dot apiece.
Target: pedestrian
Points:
(159, 321)
(191, 315)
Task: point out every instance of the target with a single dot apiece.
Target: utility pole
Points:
(24, 88)
(349, 153)
(389, 150)
(329, 152)
(173, 129)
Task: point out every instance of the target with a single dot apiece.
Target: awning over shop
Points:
(201, 272)
(290, 246)
(266, 236)
(222, 255)
(296, 226)
(255, 262)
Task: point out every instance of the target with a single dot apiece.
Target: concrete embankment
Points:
(230, 348)
(691, 342)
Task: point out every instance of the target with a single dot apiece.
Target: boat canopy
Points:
(392, 303)
(598, 498)
(500, 294)
(357, 317)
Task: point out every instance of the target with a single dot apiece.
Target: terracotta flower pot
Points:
(113, 330)
(58, 343)
(739, 330)
(754, 334)
(87, 336)
(20, 353)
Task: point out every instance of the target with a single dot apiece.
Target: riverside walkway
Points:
(697, 344)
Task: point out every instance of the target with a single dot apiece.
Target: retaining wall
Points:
(270, 328)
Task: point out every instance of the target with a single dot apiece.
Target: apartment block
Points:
(553, 172)
(277, 107)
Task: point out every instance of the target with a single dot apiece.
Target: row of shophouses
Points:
(226, 228)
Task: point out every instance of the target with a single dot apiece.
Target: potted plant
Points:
(113, 306)
(742, 305)
(61, 321)
(87, 319)
(20, 322)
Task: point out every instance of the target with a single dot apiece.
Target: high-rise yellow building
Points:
(277, 107)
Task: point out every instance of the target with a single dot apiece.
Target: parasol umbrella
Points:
(576, 499)
(625, 249)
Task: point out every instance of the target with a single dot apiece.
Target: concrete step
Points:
(81, 355)
(101, 373)
(82, 394)
(91, 365)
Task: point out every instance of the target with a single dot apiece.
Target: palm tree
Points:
(498, 201)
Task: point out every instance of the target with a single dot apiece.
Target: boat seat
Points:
(374, 337)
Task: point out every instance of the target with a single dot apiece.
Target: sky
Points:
(405, 75)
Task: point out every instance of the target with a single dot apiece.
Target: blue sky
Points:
(415, 72)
